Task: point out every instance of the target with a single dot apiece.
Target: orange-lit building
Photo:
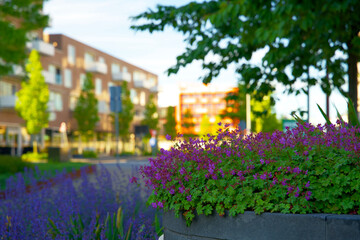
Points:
(200, 100)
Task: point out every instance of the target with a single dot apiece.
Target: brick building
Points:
(65, 62)
(200, 100)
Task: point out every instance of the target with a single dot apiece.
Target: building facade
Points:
(200, 101)
(65, 62)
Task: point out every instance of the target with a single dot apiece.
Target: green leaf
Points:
(324, 115)
(353, 119)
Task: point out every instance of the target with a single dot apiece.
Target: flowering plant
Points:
(304, 170)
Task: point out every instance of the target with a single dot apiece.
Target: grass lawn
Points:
(49, 167)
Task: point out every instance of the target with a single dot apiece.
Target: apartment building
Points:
(200, 100)
(65, 62)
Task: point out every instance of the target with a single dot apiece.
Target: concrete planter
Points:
(249, 226)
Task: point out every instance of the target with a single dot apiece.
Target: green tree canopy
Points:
(33, 97)
(151, 115)
(300, 38)
(170, 125)
(86, 110)
(208, 126)
(262, 116)
(127, 114)
(17, 18)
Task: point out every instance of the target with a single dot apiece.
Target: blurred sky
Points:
(105, 25)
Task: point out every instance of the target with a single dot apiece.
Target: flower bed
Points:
(84, 209)
(305, 170)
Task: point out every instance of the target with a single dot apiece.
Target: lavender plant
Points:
(304, 170)
(83, 209)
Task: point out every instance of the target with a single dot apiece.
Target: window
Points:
(88, 59)
(115, 68)
(110, 84)
(98, 86)
(68, 78)
(71, 55)
(134, 96)
(142, 99)
(73, 101)
(82, 80)
(7, 89)
(55, 102)
(101, 59)
(58, 79)
(103, 107)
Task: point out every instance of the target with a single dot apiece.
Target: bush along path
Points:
(96, 206)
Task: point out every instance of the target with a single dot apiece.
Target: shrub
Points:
(34, 157)
(89, 154)
(10, 164)
(304, 170)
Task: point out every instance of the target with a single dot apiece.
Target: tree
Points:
(33, 97)
(262, 117)
(127, 114)
(170, 125)
(303, 41)
(187, 124)
(86, 110)
(17, 19)
(208, 126)
(151, 116)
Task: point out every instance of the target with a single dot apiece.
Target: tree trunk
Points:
(80, 145)
(35, 146)
(352, 74)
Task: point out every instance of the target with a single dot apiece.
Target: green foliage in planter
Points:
(304, 170)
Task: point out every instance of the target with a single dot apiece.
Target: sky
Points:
(105, 25)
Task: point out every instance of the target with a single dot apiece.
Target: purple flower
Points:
(160, 204)
(181, 189)
(188, 198)
(168, 137)
(133, 180)
(263, 176)
(262, 161)
(182, 171)
(307, 184)
(154, 205)
(282, 141)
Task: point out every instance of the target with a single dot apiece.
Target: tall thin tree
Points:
(33, 97)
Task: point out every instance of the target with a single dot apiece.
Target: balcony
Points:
(121, 76)
(18, 71)
(49, 77)
(42, 47)
(7, 101)
(139, 84)
(154, 89)
(96, 67)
